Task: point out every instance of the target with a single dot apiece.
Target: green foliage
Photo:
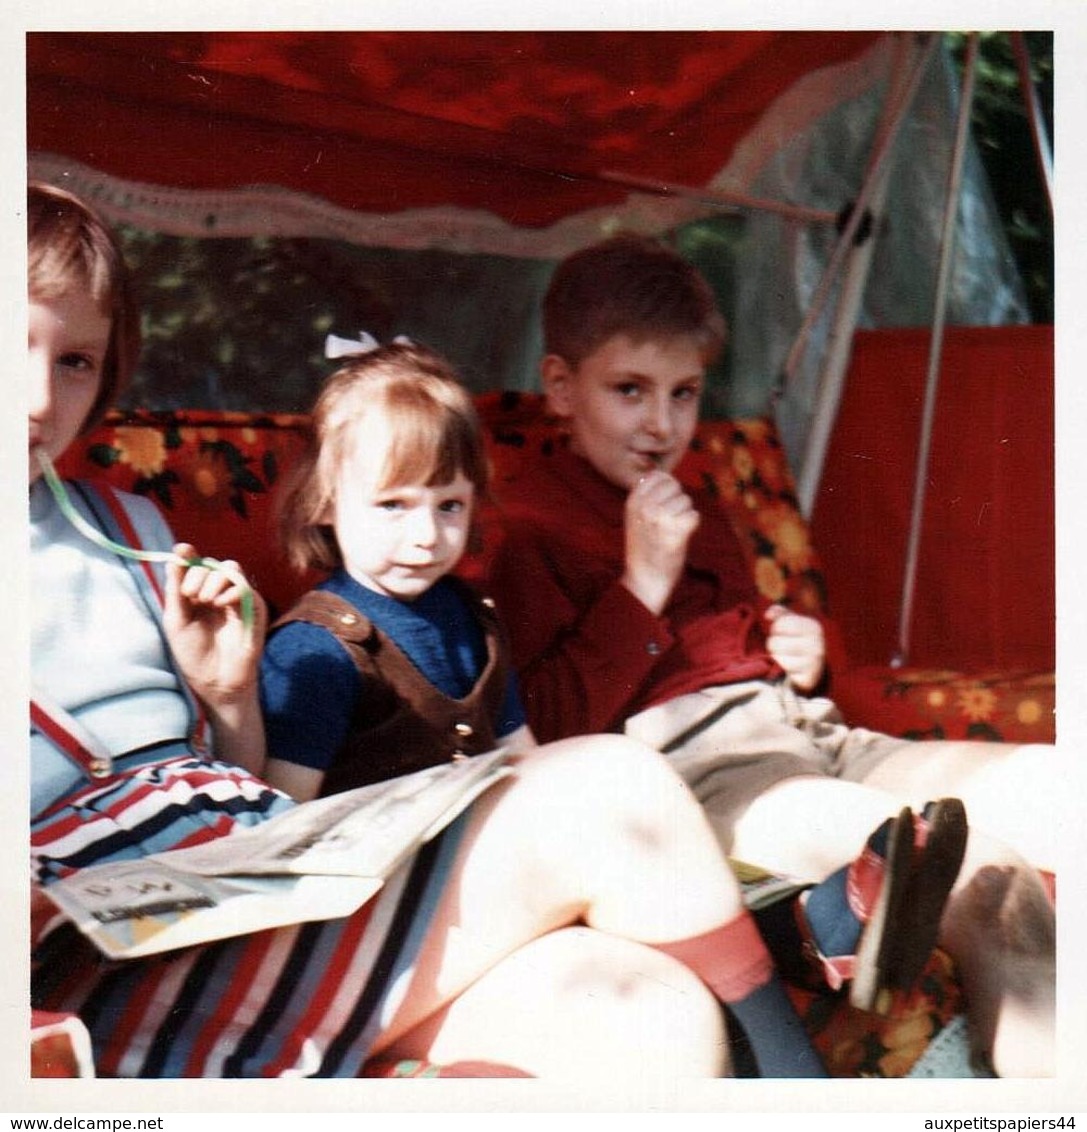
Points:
(710, 245)
(222, 316)
(241, 323)
(1001, 126)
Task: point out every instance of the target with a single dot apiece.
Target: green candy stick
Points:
(64, 502)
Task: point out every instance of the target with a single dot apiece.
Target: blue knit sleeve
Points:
(308, 690)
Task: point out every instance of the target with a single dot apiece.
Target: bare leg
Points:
(1011, 792)
(748, 769)
(577, 1005)
(808, 827)
(598, 830)
(768, 734)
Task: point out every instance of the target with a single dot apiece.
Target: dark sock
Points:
(734, 963)
(777, 924)
(780, 1043)
(834, 926)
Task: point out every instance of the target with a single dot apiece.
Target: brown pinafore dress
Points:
(402, 723)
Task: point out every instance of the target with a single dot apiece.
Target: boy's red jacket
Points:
(587, 652)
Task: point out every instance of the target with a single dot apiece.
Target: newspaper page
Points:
(321, 860)
(761, 888)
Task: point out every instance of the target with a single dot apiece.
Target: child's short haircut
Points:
(434, 429)
(69, 248)
(628, 285)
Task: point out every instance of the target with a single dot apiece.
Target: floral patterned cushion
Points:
(853, 1043)
(924, 703)
(214, 476)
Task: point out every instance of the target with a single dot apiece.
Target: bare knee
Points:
(579, 1004)
(619, 770)
(610, 781)
(607, 822)
(603, 758)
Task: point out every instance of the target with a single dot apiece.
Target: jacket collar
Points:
(601, 496)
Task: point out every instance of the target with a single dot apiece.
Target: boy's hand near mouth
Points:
(660, 519)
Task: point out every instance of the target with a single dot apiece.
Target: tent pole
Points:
(947, 249)
(828, 393)
(877, 162)
(1042, 152)
(721, 198)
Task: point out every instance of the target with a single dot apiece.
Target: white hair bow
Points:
(336, 347)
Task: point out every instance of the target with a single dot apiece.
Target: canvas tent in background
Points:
(451, 170)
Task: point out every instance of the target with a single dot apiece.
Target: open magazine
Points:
(319, 861)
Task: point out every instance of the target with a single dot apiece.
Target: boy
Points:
(630, 608)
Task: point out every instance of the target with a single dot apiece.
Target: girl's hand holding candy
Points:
(215, 625)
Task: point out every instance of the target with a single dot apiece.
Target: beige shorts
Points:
(733, 742)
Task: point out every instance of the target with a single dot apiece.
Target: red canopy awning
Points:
(519, 124)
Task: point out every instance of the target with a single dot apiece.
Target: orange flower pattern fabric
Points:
(919, 703)
(214, 474)
(854, 1043)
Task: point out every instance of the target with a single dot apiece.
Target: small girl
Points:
(393, 664)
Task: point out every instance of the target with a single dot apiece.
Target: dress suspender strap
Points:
(68, 735)
(111, 516)
(124, 527)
